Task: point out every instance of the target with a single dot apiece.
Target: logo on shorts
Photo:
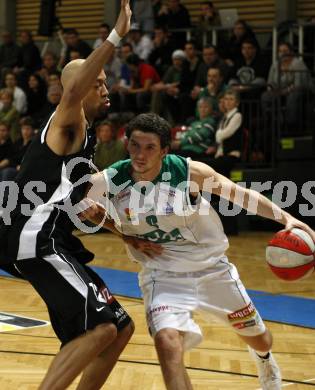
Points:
(246, 324)
(158, 309)
(245, 313)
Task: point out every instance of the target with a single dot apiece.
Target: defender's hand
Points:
(149, 248)
(123, 22)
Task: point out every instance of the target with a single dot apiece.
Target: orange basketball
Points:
(290, 254)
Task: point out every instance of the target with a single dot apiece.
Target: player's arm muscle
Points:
(211, 181)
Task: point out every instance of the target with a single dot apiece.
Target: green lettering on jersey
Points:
(159, 235)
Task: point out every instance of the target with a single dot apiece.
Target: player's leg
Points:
(169, 344)
(76, 355)
(96, 373)
(82, 319)
(169, 302)
(225, 296)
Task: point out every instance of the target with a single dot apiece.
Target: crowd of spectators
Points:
(197, 86)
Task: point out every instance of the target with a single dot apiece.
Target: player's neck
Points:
(149, 175)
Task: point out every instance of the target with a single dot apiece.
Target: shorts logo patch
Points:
(158, 309)
(246, 324)
(243, 314)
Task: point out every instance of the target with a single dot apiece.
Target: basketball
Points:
(290, 254)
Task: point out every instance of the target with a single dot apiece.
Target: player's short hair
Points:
(151, 123)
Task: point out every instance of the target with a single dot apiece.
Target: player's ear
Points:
(164, 151)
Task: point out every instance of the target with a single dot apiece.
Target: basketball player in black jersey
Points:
(90, 323)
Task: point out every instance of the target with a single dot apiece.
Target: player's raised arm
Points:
(208, 180)
(81, 77)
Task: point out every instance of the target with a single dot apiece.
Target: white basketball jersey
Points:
(191, 235)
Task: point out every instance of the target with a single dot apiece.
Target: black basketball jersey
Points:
(41, 226)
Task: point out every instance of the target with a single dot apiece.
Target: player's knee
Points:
(169, 344)
(127, 332)
(105, 333)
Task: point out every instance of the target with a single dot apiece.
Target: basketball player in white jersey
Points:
(90, 323)
(158, 197)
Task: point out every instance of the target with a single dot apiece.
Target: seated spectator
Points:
(125, 50)
(210, 59)
(113, 77)
(36, 94)
(233, 49)
(250, 70)
(165, 93)
(142, 12)
(289, 79)
(19, 97)
(143, 76)
(9, 114)
(30, 60)
(103, 32)
(20, 147)
(6, 152)
(141, 43)
(54, 94)
(214, 88)
(175, 16)
(228, 136)
(161, 55)
(200, 135)
(108, 149)
(9, 53)
(188, 77)
(54, 79)
(49, 66)
(74, 42)
(209, 17)
(74, 55)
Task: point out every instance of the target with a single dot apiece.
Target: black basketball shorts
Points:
(76, 297)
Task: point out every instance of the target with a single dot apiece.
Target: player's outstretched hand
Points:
(123, 22)
(295, 223)
(149, 248)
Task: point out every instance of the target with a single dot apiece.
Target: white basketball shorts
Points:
(171, 298)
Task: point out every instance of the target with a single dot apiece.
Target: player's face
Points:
(96, 102)
(145, 152)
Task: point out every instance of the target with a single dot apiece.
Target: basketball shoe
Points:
(268, 371)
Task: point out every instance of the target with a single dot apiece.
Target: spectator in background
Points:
(141, 43)
(54, 79)
(161, 55)
(6, 152)
(175, 16)
(289, 79)
(214, 88)
(165, 93)
(250, 70)
(19, 97)
(113, 73)
(74, 55)
(188, 77)
(9, 114)
(209, 17)
(21, 146)
(30, 59)
(9, 53)
(54, 94)
(103, 33)
(143, 76)
(49, 66)
(228, 136)
(108, 149)
(241, 32)
(125, 50)
(74, 42)
(36, 94)
(143, 14)
(199, 138)
(210, 59)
